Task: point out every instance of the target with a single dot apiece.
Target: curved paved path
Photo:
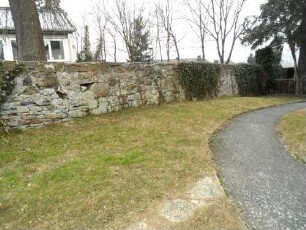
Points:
(259, 174)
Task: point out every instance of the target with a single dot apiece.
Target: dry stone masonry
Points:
(47, 93)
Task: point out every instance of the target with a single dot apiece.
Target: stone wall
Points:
(47, 93)
(228, 85)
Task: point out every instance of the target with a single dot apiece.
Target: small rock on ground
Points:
(178, 210)
(206, 189)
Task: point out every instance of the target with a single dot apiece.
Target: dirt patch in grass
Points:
(293, 132)
(101, 172)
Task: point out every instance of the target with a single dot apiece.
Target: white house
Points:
(57, 31)
(287, 61)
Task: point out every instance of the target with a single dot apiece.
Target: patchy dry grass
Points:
(100, 172)
(293, 131)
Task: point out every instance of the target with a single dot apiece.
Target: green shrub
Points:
(269, 59)
(199, 80)
(249, 79)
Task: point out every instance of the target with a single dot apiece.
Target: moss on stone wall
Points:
(249, 79)
(199, 80)
(8, 73)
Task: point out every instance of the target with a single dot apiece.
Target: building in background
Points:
(57, 30)
(287, 61)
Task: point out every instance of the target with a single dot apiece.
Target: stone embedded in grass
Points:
(206, 189)
(139, 226)
(178, 210)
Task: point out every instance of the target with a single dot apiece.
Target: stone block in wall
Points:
(103, 77)
(92, 104)
(100, 90)
(54, 116)
(76, 114)
(120, 69)
(13, 124)
(104, 67)
(47, 80)
(43, 101)
(48, 92)
(30, 90)
(68, 82)
(22, 109)
(27, 81)
(101, 110)
(5, 106)
(50, 81)
(82, 67)
(47, 67)
(28, 120)
(33, 109)
(5, 113)
(86, 78)
(85, 109)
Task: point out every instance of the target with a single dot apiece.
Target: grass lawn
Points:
(293, 130)
(101, 171)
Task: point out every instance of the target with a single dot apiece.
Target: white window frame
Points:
(3, 49)
(12, 49)
(48, 42)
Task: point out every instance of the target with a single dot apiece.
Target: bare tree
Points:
(113, 35)
(223, 16)
(29, 35)
(101, 18)
(122, 23)
(131, 26)
(165, 12)
(158, 38)
(198, 21)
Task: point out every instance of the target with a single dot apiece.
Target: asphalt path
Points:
(258, 173)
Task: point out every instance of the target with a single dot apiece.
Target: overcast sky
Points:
(189, 46)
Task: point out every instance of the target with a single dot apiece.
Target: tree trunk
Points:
(301, 70)
(203, 47)
(29, 34)
(168, 46)
(302, 58)
(176, 48)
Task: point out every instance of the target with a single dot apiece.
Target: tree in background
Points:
(85, 55)
(99, 54)
(132, 28)
(225, 27)
(251, 59)
(285, 20)
(101, 23)
(165, 13)
(302, 59)
(269, 59)
(29, 35)
(198, 21)
(140, 43)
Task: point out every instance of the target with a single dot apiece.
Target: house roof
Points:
(52, 21)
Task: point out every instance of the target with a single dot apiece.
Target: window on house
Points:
(1, 50)
(54, 49)
(57, 49)
(46, 43)
(14, 48)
